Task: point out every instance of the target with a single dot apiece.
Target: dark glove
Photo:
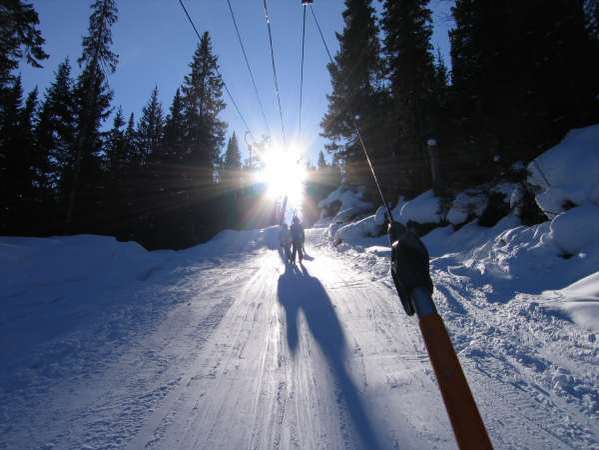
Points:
(409, 264)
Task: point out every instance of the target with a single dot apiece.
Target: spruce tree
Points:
(232, 157)
(357, 96)
(19, 37)
(17, 151)
(56, 134)
(174, 130)
(116, 146)
(322, 163)
(92, 96)
(202, 93)
(411, 72)
(517, 95)
(150, 129)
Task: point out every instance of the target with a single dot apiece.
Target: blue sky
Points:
(155, 44)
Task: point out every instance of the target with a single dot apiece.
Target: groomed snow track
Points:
(242, 352)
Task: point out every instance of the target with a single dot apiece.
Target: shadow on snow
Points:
(298, 290)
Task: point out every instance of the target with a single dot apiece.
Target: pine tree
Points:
(322, 163)
(202, 93)
(232, 157)
(92, 100)
(9, 122)
(357, 96)
(174, 130)
(18, 149)
(411, 72)
(19, 37)
(150, 129)
(519, 94)
(56, 134)
(116, 146)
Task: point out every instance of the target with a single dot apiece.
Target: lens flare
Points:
(284, 174)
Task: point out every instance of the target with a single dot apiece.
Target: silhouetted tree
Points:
(92, 96)
(357, 96)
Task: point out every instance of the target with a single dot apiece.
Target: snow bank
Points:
(34, 262)
(579, 302)
(235, 241)
(371, 226)
(568, 173)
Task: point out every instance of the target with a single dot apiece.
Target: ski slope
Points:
(224, 347)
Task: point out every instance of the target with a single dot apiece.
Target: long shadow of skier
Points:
(298, 290)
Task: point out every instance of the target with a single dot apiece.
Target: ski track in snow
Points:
(242, 352)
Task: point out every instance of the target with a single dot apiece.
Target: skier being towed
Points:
(297, 239)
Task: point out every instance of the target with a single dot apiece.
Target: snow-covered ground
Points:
(105, 345)
(222, 346)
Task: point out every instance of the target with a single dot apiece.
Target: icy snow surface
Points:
(221, 346)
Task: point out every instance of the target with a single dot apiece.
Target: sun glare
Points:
(284, 174)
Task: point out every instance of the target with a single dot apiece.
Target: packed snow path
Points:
(242, 352)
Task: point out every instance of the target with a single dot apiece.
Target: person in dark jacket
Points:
(297, 239)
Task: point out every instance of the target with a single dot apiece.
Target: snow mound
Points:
(426, 208)
(369, 227)
(356, 231)
(576, 229)
(579, 302)
(568, 173)
(36, 262)
(236, 241)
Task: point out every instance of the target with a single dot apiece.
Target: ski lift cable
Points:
(249, 67)
(301, 95)
(324, 41)
(274, 69)
(227, 90)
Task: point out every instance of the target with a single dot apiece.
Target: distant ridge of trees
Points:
(522, 75)
(160, 180)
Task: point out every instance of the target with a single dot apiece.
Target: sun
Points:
(283, 173)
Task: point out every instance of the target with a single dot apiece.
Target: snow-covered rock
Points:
(467, 204)
(568, 173)
(355, 231)
(348, 197)
(426, 208)
(347, 201)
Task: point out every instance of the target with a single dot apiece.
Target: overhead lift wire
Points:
(249, 67)
(230, 95)
(274, 70)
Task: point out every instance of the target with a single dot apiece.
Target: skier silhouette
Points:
(297, 239)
